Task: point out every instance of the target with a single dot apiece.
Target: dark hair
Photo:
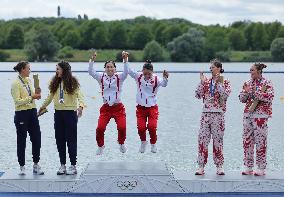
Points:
(216, 62)
(21, 65)
(148, 65)
(70, 83)
(110, 61)
(259, 66)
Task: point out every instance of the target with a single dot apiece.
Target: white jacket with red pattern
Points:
(111, 86)
(217, 103)
(147, 89)
(264, 107)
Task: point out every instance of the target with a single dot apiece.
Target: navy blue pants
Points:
(65, 126)
(27, 121)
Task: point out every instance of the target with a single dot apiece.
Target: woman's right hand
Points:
(94, 56)
(36, 96)
(246, 88)
(202, 77)
(125, 55)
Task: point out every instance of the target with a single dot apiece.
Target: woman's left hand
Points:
(165, 74)
(79, 112)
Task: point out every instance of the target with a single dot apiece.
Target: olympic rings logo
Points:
(126, 185)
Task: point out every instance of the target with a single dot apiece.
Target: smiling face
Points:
(59, 71)
(25, 72)
(254, 73)
(110, 69)
(214, 70)
(147, 73)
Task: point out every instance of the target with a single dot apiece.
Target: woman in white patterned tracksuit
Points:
(214, 92)
(257, 94)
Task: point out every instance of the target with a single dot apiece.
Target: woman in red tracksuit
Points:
(111, 86)
(147, 109)
(257, 94)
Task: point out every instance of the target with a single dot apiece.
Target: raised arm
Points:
(164, 82)
(124, 74)
(199, 92)
(96, 75)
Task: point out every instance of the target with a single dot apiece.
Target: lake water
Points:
(178, 123)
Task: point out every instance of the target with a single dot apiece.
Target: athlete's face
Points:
(110, 69)
(147, 73)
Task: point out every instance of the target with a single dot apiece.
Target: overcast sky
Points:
(198, 11)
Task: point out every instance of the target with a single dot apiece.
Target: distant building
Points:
(58, 11)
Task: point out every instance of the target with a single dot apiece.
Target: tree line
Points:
(42, 38)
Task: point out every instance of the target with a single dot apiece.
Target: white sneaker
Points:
(61, 170)
(22, 170)
(122, 148)
(71, 170)
(247, 171)
(259, 172)
(143, 146)
(200, 171)
(37, 170)
(153, 148)
(220, 171)
(100, 150)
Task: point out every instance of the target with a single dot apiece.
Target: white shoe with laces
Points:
(22, 170)
(153, 148)
(259, 172)
(122, 148)
(37, 170)
(247, 171)
(100, 150)
(61, 170)
(220, 171)
(143, 146)
(200, 171)
(71, 170)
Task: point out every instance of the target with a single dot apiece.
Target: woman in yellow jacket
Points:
(26, 117)
(65, 93)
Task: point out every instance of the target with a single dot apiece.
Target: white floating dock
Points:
(139, 177)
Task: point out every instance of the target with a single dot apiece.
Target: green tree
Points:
(140, 36)
(170, 33)
(15, 37)
(188, 47)
(237, 39)
(249, 36)
(159, 33)
(118, 36)
(100, 37)
(272, 30)
(41, 44)
(280, 33)
(260, 38)
(217, 40)
(72, 39)
(153, 51)
(87, 31)
(277, 49)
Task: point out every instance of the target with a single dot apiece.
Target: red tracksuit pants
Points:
(151, 114)
(116, 111)
(255, 135)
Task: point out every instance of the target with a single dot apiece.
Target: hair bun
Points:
(148, 61)
(263, 66)
(222, 70)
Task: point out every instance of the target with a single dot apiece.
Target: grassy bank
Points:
(137, 55)
(78, 55)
